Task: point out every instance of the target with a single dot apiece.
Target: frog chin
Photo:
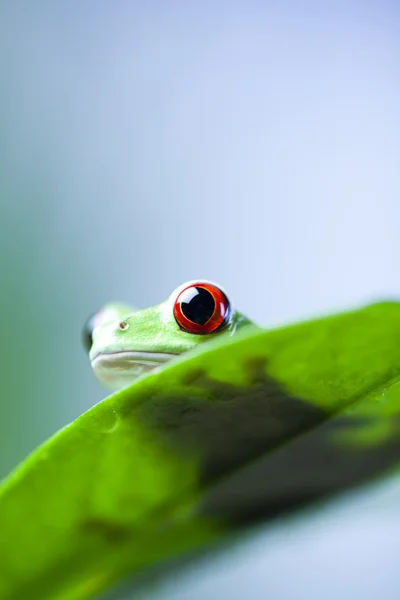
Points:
(117, 370)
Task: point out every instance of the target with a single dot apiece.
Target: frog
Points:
(124, 343)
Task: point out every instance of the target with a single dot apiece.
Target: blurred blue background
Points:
(144, 144)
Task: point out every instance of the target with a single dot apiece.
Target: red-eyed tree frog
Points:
(124, 342)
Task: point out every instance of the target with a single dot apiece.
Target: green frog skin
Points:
(124, 343)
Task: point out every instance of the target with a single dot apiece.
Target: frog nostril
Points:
(123, 325)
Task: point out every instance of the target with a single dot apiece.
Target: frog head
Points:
(124, 342)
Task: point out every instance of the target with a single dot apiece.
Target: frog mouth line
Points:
(125, 358)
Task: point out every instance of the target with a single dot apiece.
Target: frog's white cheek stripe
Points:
(117, 370)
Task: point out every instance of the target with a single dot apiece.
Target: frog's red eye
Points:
(202, 308)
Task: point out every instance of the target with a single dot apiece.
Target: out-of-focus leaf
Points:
(239, 430)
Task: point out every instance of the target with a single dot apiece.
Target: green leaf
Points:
(238, 430)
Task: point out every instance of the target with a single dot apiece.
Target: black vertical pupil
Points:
(199, 305)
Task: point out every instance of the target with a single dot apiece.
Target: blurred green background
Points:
(145, 144)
